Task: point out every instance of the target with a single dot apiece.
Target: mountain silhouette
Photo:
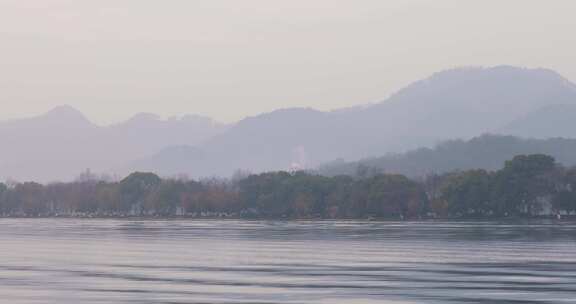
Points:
(454, 104)
(61, 143)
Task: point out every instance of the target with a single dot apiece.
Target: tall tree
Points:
(468, 193)
(135, 188)
(522, 182)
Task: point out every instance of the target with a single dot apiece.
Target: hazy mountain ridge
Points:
(550, 121)
(61, 143)
(469, 101)
(458, 103)
(484, 152)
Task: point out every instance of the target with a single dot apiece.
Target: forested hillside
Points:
(484, 152)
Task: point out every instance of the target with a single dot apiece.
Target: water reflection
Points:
(179, 261)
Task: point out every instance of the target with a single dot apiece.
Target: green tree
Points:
(166, 198)
(3, 201)
(266, 194)
(468, 193)
(394, 195)
(134, 190)
(522, 182)
(30, 198)
(565, 197)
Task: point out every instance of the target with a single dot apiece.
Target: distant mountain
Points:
(171, 161)
(483, 152)
(145, 134)
(550, 121)
(454, 104)
(269, 141)
(63, 142)
(459, 103)
(471, 101)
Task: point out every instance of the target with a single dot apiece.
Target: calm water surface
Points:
(192, 261)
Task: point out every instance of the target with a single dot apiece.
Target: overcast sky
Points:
(229, 58)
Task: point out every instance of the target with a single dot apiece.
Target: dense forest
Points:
(483, 152)
(527, 185)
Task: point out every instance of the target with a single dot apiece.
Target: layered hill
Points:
(459, 103)
(484, 152)
(550, 121)
(58, 145)
(454, 104)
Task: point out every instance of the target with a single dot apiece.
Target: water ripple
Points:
(179, 261)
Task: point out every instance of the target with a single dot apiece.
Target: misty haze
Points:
(402, 151)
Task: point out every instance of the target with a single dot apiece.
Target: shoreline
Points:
(289, 219)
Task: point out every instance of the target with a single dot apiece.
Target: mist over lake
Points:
(287, 152)
(231, 261)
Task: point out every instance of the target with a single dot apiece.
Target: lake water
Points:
(211, 261)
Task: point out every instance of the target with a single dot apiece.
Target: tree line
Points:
(527, 185)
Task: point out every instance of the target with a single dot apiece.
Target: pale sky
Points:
(231, 58)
